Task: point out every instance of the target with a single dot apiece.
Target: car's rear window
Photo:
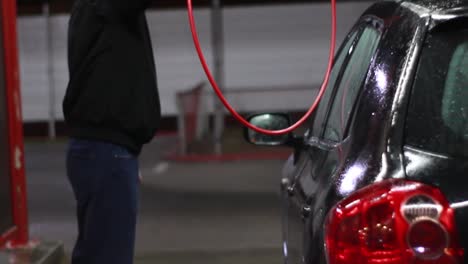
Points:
(438, 113)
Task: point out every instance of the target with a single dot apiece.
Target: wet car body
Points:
(371, 144)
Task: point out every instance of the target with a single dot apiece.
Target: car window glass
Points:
(350, 84)
(437, 118)
(321, 111)
(454, 101)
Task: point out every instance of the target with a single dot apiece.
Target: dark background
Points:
(63, 6)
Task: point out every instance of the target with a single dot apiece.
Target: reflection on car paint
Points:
(374, 146)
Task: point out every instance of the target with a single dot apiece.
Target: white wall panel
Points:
(272, 46)
(33, 70)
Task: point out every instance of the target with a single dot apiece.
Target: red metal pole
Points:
(15, 124)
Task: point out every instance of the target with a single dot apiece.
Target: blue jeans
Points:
(104, 178)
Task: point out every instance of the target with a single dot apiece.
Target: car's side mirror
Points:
(270, 122)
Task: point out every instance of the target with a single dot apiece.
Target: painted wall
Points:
(271, 47)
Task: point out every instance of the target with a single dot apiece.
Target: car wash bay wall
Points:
(267, 47)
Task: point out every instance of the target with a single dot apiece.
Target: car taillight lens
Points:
(428, 239)
(393, 222)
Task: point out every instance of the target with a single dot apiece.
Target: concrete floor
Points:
(198, 213)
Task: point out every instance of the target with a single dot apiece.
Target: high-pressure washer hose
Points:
(226, 103)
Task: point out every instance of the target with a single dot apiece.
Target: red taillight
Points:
(428, 239)
(393, 222)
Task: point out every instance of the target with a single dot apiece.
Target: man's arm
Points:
(122, 9)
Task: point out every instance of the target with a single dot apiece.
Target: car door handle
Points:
(306, 211)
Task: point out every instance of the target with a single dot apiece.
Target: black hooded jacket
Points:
(112, 94)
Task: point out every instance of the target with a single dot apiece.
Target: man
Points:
(112, 109)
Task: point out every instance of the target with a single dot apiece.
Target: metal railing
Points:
(192, 117)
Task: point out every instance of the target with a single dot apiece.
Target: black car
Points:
(381, 175)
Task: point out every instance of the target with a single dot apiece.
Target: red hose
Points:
(226, 103)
